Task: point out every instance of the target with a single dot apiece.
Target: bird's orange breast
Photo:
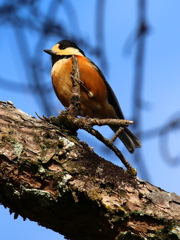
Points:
(96, 106)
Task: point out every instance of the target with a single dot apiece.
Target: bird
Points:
(97, 99)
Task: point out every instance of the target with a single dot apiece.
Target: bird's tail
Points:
(128, 138)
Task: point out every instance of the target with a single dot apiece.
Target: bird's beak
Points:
(50, 52)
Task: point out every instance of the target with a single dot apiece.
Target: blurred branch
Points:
(164, 133)
(22, 88)
(139, 68)
(100, 39)
(141, 32)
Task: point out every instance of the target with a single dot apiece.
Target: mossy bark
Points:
(63, 185)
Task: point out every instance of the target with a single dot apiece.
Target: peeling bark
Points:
(63, 185)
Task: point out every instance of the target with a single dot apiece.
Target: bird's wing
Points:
(111, 96)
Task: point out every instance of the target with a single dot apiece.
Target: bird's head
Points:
(65, 48)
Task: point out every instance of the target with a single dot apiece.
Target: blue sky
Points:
(161, 84)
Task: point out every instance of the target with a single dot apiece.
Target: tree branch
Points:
(63, 185)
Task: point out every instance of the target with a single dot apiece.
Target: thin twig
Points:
(109, 144)
(90, 94)
(101, 122)
(116, 134)
(75, 99)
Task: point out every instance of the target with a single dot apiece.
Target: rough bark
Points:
(63, 185)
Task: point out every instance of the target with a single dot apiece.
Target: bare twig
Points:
(101, 122)
(90, 94)
(117, 133)
(109, 144)
(75, 99)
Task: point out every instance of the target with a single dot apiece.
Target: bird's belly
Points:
(89, 106)
(62, 81)
(63, 89)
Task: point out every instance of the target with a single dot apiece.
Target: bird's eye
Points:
(61, 47)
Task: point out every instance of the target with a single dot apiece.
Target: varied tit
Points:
(97, 97)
